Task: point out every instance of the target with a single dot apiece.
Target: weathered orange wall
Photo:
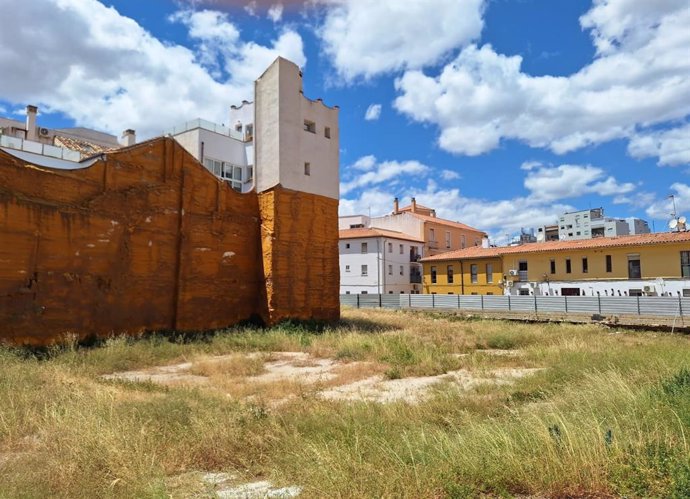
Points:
(145, 239)
(299, 234)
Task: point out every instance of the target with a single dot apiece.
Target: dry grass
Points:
(608, 416)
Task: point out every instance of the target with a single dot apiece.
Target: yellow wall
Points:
(462, 278)
(661, 260)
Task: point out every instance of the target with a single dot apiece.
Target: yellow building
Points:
(644, 264)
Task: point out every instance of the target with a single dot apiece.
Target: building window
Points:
(307, 168)
(309, 126)
(390, 247)
(568, 266)
(402, 270)
(553, 266)
(585, 265)
(347, 268)
(327, 132)
(686, 292)
(365, 270)
(609, 263)
(347, 245)
(685, 263)
(447, 239)
(390, 270)
(634, 267)
(432, 235)
(462, 241)
(356, 226)
(473, 273)
(489, 272)
(433, 275)
(402, 249)
(449, 274)
(364, 247)
(364, 292)
(347, 292)
(635, 292)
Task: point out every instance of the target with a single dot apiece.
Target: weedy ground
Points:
(607, 414)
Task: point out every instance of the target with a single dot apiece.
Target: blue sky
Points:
(499, 113)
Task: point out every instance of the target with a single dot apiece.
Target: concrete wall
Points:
(402, 222)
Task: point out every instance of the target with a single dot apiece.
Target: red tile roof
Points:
(443, 221)
(82, 146)
(373, 232)
(599, 242)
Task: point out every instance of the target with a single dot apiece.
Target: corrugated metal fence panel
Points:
(390, 301)
(495, 302)
(522, 303)
(471, 302)
(368, 301)
(685, 306)
(551, 303)
(348, 300)
(422, 301)
(618, 305)
(583, 304)
(446, 301)
(659, 305)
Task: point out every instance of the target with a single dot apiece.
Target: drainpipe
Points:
(378, 265)
(462, 279)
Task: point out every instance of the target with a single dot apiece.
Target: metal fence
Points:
(603, 305)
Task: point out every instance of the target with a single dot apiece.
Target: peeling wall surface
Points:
(148, 239)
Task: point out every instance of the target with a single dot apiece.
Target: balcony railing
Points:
(39, 148)
(210, 126)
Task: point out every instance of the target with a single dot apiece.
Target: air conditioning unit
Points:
(43, 132)
(513, 272)
(647, 289)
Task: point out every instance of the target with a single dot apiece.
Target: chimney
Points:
(396, 207)
(485, 242)
(414, 205)
(31, 112)
(129, 138)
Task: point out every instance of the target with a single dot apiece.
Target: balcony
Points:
(39, 148)
(433, 244)
(415, 278)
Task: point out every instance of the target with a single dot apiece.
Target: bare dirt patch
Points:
(280, 376)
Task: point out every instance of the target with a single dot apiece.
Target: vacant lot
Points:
(392, 404)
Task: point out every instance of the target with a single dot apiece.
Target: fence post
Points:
(599, 302)
(409, 300)
(638, 305)
(458, 302)
(380, 300)
(509, 309)
(680, 306)
(481, 298)
(535, 305)
(565, 299)
(357, 300)
(433, 301)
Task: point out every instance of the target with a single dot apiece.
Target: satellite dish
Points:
(673, 224)
(682, 220)
(540, 237)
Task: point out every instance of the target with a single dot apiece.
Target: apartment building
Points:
(379, 261)
(588, 224)
(645, 264)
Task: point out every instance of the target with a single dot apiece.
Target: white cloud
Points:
(251, 7)
(640, 77)
(373, 112)
(449, 175)
(105, 71)
(662, 209)
(275, 12)
(364, 38)
(377, 173)
(547, 188)
(571, 181)
(672, 147)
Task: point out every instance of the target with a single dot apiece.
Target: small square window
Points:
(347, 245)
(307, 168)
(327, 132)
(347, 268)
(309, 126)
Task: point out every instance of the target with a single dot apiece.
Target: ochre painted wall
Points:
(661, 260)
(148, 239)
(300, 255)
(462, 278)
(472, 238)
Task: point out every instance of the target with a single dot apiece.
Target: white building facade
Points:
(374, 261)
